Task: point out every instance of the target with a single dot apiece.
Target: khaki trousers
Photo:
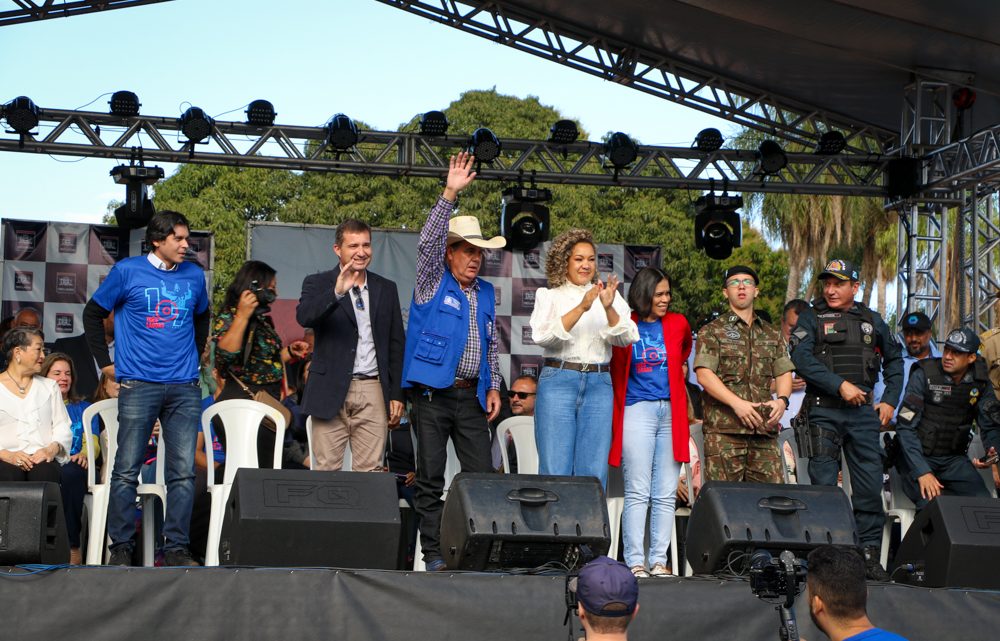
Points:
(362, 421)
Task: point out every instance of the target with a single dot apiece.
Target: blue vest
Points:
(437, 333)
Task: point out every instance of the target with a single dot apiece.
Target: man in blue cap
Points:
(838, 347)
(607, 599)
(943, 398)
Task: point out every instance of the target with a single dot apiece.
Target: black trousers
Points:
(40, 472)
(437, 416)
(74, 489)
(955, 473)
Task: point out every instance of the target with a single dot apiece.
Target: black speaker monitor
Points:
(732, 519)
(504, 521)
(307, 518)
(32, 524)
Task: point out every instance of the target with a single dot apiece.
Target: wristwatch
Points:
(787, 402)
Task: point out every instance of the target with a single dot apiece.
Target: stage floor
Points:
(280, 603)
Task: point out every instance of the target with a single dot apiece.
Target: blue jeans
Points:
(651, 475)
(178, 406)
(573, 423)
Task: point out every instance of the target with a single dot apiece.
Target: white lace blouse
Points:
(40, 418)
(591, 339)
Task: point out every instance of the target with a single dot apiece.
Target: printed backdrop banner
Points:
(54, 268)
(296, 251)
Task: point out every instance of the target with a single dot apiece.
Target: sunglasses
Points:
(359, 302)
(520, 395)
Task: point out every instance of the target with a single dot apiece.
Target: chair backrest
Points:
(522, 432)
(241, 418)
(897, 498)
(108, 411)
(978, 450)
(787, 437)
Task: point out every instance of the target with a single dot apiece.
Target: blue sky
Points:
(311, 58)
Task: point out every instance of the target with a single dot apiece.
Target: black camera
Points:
(265, 297)
(781, 578)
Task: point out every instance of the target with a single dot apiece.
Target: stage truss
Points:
(33, 11)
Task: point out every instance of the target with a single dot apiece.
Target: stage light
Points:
(831, 143)
(717, 227)
(484, 145)
(620, 150)
(124, 104)
(564, 132)
(195, 124)
(524, 219)
(21, 115)
(341, 133)
(433, 123)
(963, 98)
(138, 208)
(770, 158)
(260, 113)
(708, 140)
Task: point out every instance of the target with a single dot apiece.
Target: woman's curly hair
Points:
(557, 260)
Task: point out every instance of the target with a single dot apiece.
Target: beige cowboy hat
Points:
(467, 228)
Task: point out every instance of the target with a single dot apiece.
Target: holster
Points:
(801, 426)
(814, 440)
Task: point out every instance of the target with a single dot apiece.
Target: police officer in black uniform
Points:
(838, 347)
(943, 397)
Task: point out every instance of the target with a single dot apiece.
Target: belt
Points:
(365, 377)
(597, 368)
(465, 383)
(833, 402)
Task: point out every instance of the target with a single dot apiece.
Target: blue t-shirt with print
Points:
(648, 371)
(875, 634)
(154, 319)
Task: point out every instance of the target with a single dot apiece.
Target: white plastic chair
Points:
(346, 466)
(522, 433)
(241, 419)
(978, 450)
(96, 502)
(787, 435)
(901, 509)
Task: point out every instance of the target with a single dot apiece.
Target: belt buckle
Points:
(585, 368)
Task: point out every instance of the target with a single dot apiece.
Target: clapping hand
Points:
(608, 290)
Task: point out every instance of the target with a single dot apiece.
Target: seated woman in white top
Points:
(35, 433)
(577, 320)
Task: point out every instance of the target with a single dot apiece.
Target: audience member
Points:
(354, 389)
(161, 326)
(838, 595)
(649, 425)
(789, 318)
(59, 367)
(575, 397)
(28, 318)
(248, 350)
(85, 369)
(35, 434)
(607, 599)
(452, 365)
(522, 395)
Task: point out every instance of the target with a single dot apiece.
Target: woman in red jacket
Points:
(649, 424)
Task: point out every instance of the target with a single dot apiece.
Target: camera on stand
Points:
(782, 578)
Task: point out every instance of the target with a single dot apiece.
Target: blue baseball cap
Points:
(605, 582)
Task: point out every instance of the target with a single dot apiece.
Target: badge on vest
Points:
(867, 328)
(452, 302)
(973, 396)
(829, 328)
(940, 391)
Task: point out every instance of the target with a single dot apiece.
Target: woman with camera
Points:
(248, 351)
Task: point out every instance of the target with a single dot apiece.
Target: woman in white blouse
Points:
(577, 320)
(35, 430)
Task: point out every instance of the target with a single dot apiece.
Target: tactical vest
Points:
(845, 343)
(945, 428)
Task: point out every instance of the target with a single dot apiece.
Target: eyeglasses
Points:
(359, 303)
(736, 282)
(520, 395)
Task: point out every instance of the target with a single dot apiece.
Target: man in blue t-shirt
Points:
(161, 325)
(838, 595)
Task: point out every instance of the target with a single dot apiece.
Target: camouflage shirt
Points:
(745, 358)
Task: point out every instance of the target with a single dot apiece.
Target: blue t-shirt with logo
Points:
(154, 319)
(648, 371)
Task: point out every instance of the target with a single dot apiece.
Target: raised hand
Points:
(247, 304)
(460, 174)
(608, 292)
(346, 279)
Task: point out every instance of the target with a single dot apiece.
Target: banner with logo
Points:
(295, 251)
(54, 268)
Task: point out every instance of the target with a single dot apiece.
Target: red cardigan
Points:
(677, 341)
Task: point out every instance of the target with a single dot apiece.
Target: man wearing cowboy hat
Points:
(451, 365)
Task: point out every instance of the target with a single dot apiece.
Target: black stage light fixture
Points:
(341, 133)
(195, 124)
(831, 143)
(21, 115)
(124, 104)
(524, 218)
(260, 113)
(620, 150)
(717, 227)
(708, 140)
(564, 132)
(138, 208)
(433, 123)
(771, 158)
(484, 145)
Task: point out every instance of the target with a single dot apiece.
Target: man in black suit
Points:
(353, 393)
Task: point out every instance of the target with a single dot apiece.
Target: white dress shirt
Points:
(591, 339)
(40, 418)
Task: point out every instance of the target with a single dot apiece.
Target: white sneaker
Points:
(640, 572)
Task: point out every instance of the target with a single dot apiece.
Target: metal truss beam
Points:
(101, 135)
(673, 79)
(972, 161)
(33, 11)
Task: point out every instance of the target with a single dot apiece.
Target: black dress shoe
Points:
(180, 557)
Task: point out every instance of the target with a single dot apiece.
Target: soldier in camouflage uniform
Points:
(738, 355)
